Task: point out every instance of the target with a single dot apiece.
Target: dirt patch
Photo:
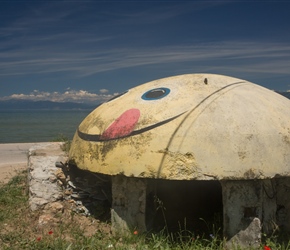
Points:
(8, 171)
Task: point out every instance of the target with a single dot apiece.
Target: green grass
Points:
(19, 229)
(12, 198)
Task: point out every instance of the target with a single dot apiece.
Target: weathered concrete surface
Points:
(128, 204)
(43, 186)
(252, 207)
(196, 126)
(281, 189)
(243, 204)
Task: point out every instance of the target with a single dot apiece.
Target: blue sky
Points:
(90, 50)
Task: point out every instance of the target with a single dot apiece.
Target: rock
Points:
(54, 207)
(59, 174)
(43, 187)
(37, 203)
(250, 238)
(45, 219)
(52, 179)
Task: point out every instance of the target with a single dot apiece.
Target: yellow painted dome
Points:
(195, 126)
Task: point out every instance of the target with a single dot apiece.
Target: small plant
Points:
(160, 206)
(66, 142)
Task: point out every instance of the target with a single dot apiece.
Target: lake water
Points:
(39, 125)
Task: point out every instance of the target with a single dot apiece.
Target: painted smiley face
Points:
(125, 124)
(147, 107)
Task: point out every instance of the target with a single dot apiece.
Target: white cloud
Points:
(80, 96)
(103, 91)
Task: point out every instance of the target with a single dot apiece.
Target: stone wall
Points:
(42, 174)
(53, 184)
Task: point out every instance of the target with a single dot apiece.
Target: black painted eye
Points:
(116, 96)
(155, 94)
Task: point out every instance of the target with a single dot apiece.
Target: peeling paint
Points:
(178, 165)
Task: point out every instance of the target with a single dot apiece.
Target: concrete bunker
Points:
(224, 138)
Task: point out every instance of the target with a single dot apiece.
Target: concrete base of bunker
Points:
(243, 204)
(128, 204)
(254, 206)
(154, 205)
(239, 210)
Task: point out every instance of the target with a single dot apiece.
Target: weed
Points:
(160, 206)
(66, 142)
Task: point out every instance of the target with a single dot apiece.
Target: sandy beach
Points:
(13, 158)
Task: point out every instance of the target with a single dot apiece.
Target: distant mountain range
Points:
(27, 104)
